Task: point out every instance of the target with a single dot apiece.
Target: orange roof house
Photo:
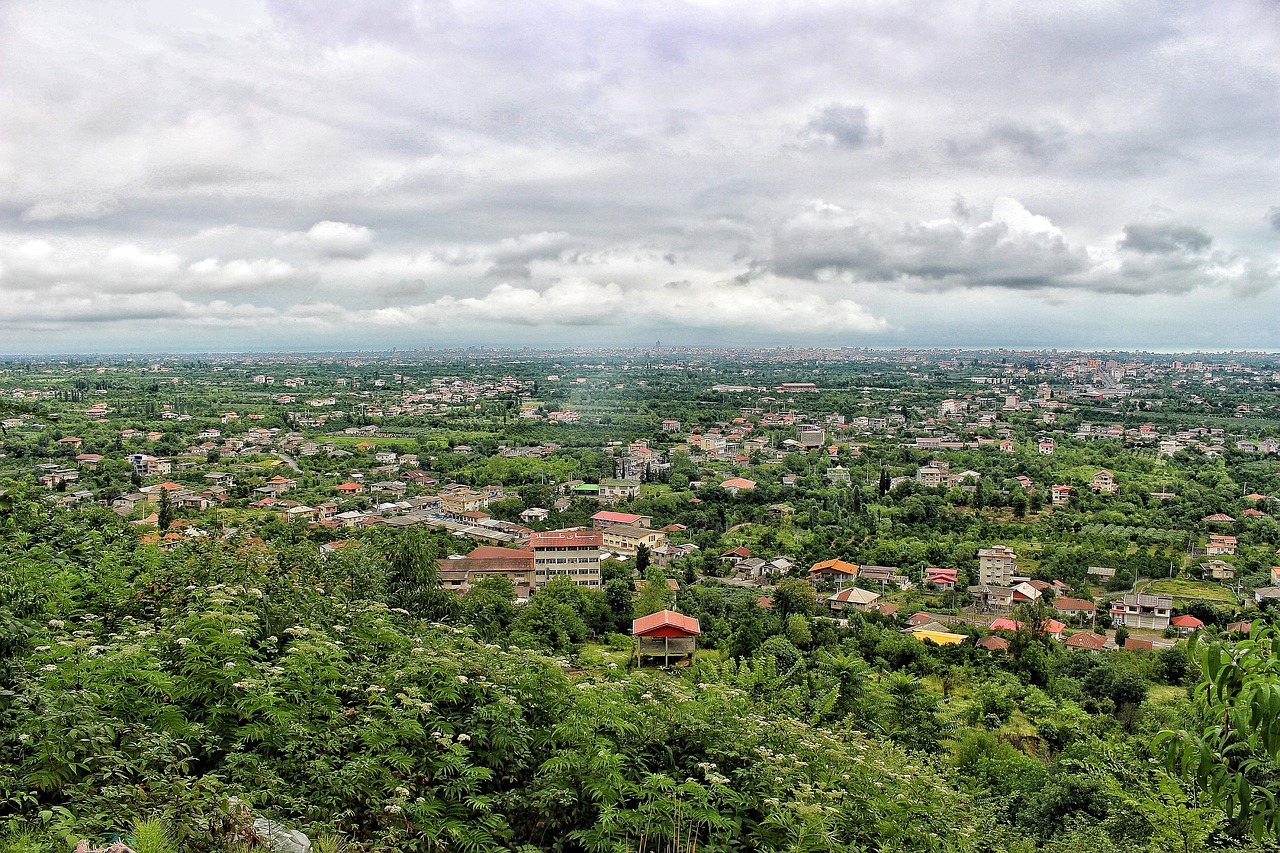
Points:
(833, 570)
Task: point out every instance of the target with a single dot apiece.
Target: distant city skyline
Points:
(261, 175)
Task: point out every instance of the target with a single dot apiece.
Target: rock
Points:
(279, 838)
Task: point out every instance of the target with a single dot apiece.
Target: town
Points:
(965, 553)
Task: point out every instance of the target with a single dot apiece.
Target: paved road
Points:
(288, 460)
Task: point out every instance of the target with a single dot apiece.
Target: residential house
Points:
(993, 643)
(1052, 627)
(1219, 570)
(607, 518)
(852, 598)
(1220, 545)
(1061, 494)
(1104, 481)
(612, 491)
(737, 484)
(931, 475)
(992, 598)
(1186, 624)
(997, 565)
(1086, 640)
(1076, 608)
(834, 571)
(883, 575)
(1142, 611)
(627, 538)
(942, 578)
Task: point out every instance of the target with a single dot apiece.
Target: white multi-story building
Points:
(997, 565)
(574, 553)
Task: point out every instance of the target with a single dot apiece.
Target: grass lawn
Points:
(1189, 589)
(1166, 694)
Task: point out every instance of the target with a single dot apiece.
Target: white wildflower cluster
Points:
(182, 641)
(375, 688)
(49, 667)
(298, 631)
(57, 623)
(462, 679)
(464, 738)
(39, 649)
(236, 632)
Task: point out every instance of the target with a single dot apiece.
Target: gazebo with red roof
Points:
(666, 634)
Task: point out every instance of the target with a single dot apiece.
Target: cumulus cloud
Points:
(1013, 248)
(333, 239)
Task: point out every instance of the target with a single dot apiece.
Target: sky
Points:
(326, 174)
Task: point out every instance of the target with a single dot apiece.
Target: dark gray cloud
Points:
(1041, 144)
(1274, 216)
(1164, 239)
(843, 125)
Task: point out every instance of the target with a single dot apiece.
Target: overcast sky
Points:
(316, 174)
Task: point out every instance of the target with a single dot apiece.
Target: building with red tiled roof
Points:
(1086, 640)
(837, 570)
(574, 554)
(517, 564)
(1075, 607)
(666, 634)
(605, 517)
(1186, 623)
(1053, 627)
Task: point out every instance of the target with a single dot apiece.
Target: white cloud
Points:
(333, 239)
(705, 305)
(529, 166)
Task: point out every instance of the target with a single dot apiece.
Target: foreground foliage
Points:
(143, 685)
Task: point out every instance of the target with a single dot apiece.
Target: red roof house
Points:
(1186, 623)
(1086, 640)
(666, 634)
